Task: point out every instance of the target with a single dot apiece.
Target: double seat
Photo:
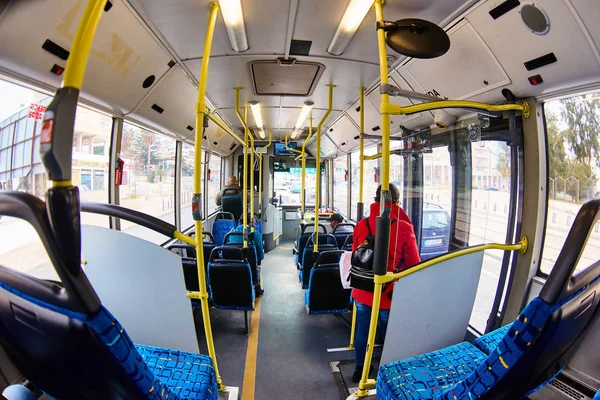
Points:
(515, 360)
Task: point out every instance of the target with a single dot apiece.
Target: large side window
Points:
(371, 174)
(340, 185)
(214, 181)
(187, 185)
(573, 138)
(148, 178)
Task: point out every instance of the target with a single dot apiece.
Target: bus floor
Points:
(292, 361)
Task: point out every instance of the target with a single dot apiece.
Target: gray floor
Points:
(292, 361)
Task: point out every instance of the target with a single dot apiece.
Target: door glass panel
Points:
(573, 135)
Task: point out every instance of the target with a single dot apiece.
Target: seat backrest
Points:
(233, 203)
(325, 292)
(236, 239)
(221, 226)
(332, 255)
(341, 233)
(59, 335)
(322, 239)
(310, 228)
(347, 245)
(230, 279)
(539, 343)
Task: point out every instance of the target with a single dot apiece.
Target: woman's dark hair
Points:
(393, 190)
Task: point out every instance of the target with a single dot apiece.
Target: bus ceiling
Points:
(144, 67)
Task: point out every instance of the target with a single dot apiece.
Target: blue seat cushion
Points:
(189, 375)
(487, 343)
(427, 376)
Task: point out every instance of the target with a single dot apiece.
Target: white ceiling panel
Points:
(317, 20)
(177, 95)
(183, 24)
(513, 44)
(123, 53)
(588, 11)
(344, 133)
(467, 69)
(226, 73)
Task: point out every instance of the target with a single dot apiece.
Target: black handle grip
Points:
(136, 217)
(236, 252)
(382, 245)
(222, 214)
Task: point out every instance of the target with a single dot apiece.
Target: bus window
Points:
(573, 140)
(437, 203)
(340, 185)
(214, 182)
(370, 182)
(148, 178)
(288, 184)
(490, 198)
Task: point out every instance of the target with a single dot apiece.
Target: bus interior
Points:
(191, 231)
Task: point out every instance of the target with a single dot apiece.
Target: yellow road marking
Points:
(251, 354)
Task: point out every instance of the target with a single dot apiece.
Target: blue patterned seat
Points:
(520, 358)
(60, 337)
(597, 396)
(189, 375)
(428, 375)
(487, 343)
(224, 222)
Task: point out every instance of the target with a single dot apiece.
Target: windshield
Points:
(435, 219)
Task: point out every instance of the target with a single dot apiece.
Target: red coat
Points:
(402, 244)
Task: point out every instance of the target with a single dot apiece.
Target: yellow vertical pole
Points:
(353, 327)
(244, 186)
(251, 136)
(362, 151)
(310, 133)
(200, 115)
(365, 383)
(318, 165)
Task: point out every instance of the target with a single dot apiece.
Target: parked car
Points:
(435, 237)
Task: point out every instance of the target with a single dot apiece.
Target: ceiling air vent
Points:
(190, 128)
(284, 77)
(157, 108)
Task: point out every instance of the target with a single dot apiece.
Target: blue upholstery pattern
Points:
(487, 343)
(220, 228)
(428, 375)
(117, 342)
(597, 396)
(189, 375)
(521, 334)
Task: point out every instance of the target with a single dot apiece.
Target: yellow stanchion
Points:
(245, 185)
(318, 167)
(260, 176)
(302, 209)
(200, 115)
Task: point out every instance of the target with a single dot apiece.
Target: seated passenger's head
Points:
(393, 191)
(232, 180)
(335, 219)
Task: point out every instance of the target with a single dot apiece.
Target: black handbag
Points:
(361, 271)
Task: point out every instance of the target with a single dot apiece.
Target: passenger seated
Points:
(258, 242)
(232, 184)
(336, 219)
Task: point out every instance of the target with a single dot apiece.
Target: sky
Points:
(14, 98)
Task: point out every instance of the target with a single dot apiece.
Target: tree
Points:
(503, 161)
(582, 115)
(556, 148)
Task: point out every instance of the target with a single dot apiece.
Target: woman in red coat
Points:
(403, 253)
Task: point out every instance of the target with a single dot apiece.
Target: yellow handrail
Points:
(304, 163)
(318, 167)
(289, 148)
(394, 109)
(200, 115)
(222, 125)
(80, 49)
(390, 276)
